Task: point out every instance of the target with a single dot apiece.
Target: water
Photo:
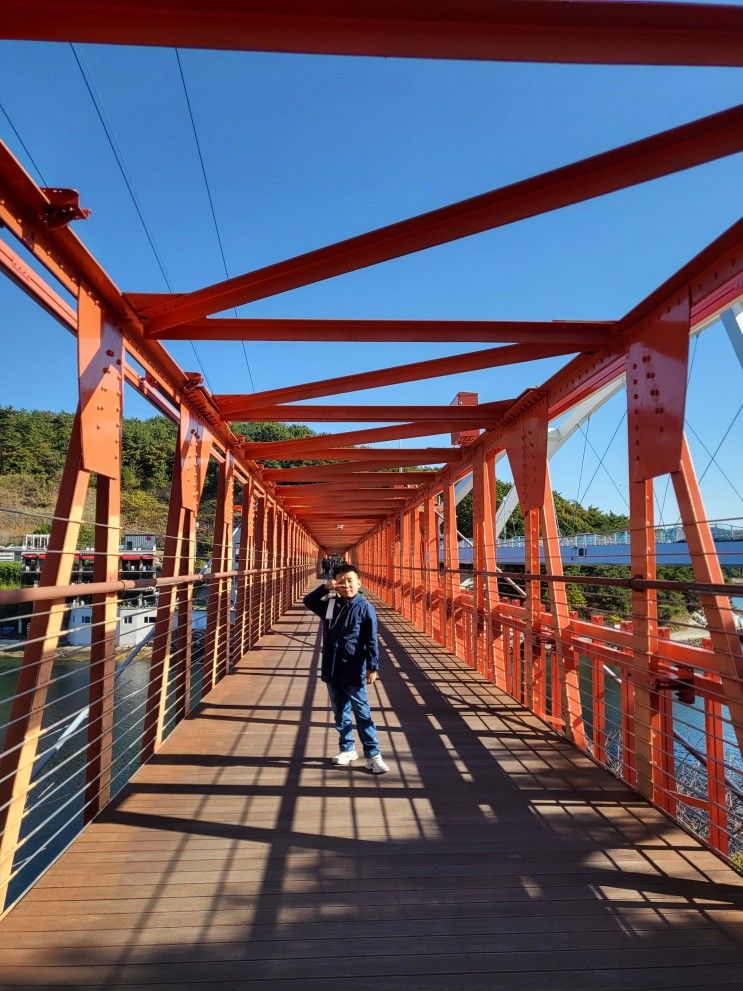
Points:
(54, 815)
(689, 721)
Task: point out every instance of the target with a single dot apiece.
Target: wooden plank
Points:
(493, 855)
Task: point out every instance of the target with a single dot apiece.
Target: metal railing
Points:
(663, 724)
(76, 763)
(722, 530)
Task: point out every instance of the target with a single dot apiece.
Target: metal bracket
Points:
(100, 356)
(195, 445)
(682, 684)
(64, 207)
(526, 446)
(192, 380)
(656, 391)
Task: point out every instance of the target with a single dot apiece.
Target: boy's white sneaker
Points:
(376, 765)
(344, 758)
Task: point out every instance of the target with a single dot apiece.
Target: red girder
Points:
(410, 480)
(376, 497)
(714, 279)
(582, 336)
(588, 31)
(457, 364)
(345, 472)
(390, 457)
(662, 154)
(488, 414)
(304, 447)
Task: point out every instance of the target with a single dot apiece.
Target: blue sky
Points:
(303, 151)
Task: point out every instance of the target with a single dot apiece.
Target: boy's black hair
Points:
(342, 569)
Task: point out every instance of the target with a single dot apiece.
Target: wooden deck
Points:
(492, 856)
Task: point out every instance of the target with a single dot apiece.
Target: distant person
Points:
(350, 662)
(325, 565)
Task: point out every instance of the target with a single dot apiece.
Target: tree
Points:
(10, 574)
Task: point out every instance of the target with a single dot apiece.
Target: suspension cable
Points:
(209, 196)
(108, 130)
(23, 145)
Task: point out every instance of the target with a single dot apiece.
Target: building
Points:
(138, 561)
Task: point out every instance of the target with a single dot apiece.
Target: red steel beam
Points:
(325, 492)
(347, 472)
(589, 31)
(304, 446)
(362, 479)
(713, 280)
(357, 516)
(341, 506)
(35, 287)
(23, 207)
(457, 364)
(662, 154)
(583, 336)
(715, 273)
(488, 414)
(391, 457)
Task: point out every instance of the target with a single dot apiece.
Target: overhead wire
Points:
(583, 458)
(713, 456)
(601, 462)
(209, 196)
(23, 145)
(108, 130)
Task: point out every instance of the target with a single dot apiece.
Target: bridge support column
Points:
(24, 725)
(260, 558)
(646, 715)
(452, 594)
(430, 566)
(217, 659)
(717, 612)
(245, 569)
(566, 705)
(170, 645)
(100, 353)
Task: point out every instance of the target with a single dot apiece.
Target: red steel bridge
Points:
(540, 827)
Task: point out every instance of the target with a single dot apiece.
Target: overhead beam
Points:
(357, 516)
(378, 498)
(390, 457)
(509, 354)
(488, 414)
(662, 154)
(714, 282)
(582, 336)
(510, 30)
(346, 472)
(362, 479)
(303, 447)
(307, 493)
(23, 211)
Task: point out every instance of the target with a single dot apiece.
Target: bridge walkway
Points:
(492, 856)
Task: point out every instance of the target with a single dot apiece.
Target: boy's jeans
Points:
(343, 699)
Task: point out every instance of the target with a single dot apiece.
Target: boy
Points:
(350, 662)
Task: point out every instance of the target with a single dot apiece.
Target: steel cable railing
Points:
(176, 666)
(495, 637)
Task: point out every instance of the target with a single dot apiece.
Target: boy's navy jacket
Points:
(349, 647)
